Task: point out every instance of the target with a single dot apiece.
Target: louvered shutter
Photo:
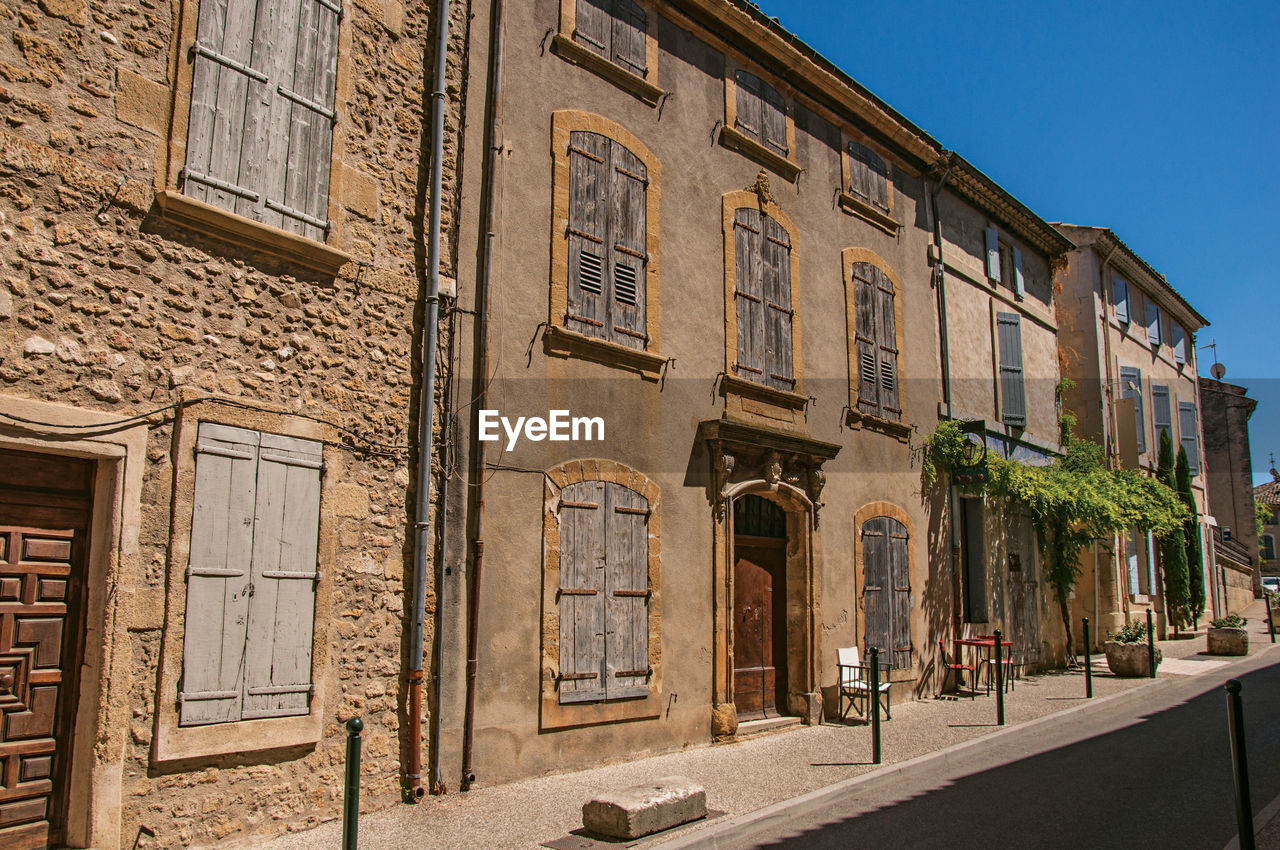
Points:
(1153, 323)
(1161, 411)
(993, 253)
(626, 600)
(1131, 557)
(217, 614)
(582, 581)
(1187, 433)
(749, 295)
(628, 46)
(887, 347)
(1013, 403)
(868, 176)
(773, 111)
(900, 606)
(1179, 343)
(589, 178)
(775, 264)
(1120, 295)
(1131, 387)
(1019, 280)
(750, 120)
(628, 261)
(1153, 587)
(876, 586)
(282, 610)
(592, 25)
(865, 336)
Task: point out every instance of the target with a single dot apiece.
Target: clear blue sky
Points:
(1158, 120)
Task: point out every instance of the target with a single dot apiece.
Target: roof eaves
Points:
(989, 196)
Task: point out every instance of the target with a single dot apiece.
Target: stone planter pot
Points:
(1228, 642)
(1129, 660)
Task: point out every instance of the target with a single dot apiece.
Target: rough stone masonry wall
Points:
(104, 307)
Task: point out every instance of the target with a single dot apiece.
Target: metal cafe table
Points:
(982, 648)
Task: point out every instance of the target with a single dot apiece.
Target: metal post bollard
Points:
(1151, 644)
(999, 680)
(1088, 663)
(1271, 626)
(875, 705)
(351, 799)
(1240, 765)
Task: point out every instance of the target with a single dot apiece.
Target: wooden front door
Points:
(44, 527)
(759, 627)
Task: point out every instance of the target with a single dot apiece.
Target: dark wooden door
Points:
(759, 627)
(44, 526)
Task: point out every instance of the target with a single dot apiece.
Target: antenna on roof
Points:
(1217, 370)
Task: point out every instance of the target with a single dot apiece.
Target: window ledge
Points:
(218, 223)
(771, 395)
(901, 431)
(855, 206)
(176, 743)
(571, 51)
(736, 140)
(566, 343)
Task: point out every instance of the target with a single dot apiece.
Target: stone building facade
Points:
(1227, 409)
(189, 304)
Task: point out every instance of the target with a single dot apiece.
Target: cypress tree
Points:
(1173, 546)
(1195, 563)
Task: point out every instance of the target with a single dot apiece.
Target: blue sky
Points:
(1160, 121)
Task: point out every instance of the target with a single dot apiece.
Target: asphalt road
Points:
(1150, 769)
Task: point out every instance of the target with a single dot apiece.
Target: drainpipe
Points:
(489, 205)
(437, 784)
(426, 413)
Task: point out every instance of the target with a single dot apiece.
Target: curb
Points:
(731, 833)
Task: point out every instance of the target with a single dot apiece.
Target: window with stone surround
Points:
(613, 38)
(762, 300)
(759, 122)
(876, 339)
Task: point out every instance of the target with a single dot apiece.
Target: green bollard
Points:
(1088, 663)
(1151, 644)
(875, 705)
(351, 800)
(999, 679)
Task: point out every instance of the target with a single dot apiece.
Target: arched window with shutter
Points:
(876, 341)
(886, 589)
(762, 297)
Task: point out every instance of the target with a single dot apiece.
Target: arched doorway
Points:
(759, 607)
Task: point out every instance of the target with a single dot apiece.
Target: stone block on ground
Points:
(645, 809)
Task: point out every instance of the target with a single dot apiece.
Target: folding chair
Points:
(854, 687)
(954, 668)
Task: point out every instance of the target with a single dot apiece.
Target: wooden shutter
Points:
(1153, 323)
(1153, 587)
(773, 111)
(876, 586)
(775, 264)
(887, 347)
(1013, 402)
(900, 587)
(626, 599)
(993, 253)
(1187, 429)
(628, 261)
(865, 336)
(1019, 279)
(589, 180)
(628, 48)
(1131, 556)
(1161, 411)
(750, 116)
(582, 574)
(218, 575)
(868, 176)
(1131, 387)
(282, 611)
(749, 295)
(1120, 295)
(1179, 343)
(593, 26)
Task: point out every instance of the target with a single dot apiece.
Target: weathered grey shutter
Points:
(900, 608)
(1153, 588)
(626, 600)
(1120, 295)
(869, 176)
(1161, 411)
(1153, 323)
(1019, 280)
(1179, 343)
(775, 264)
(582, 569)
(773, 111)
(213, 650)
(1131, 387)
(749, 295)
(592, 25)
(589, 180)
(1013, 401)
(865, 336)
(750, 118)
(876, 584)
(1187, 434)
(282, 607)
(887, 346)
(1131, 556)
(629, 23)
(993, 253)
(628, 260)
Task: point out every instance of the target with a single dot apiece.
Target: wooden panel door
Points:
(44, 524)
(759, 627)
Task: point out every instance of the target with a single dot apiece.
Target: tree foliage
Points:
(1261, 515)
(1191, 533)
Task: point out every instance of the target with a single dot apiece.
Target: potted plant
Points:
(1127, 651)
(1228, 636)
